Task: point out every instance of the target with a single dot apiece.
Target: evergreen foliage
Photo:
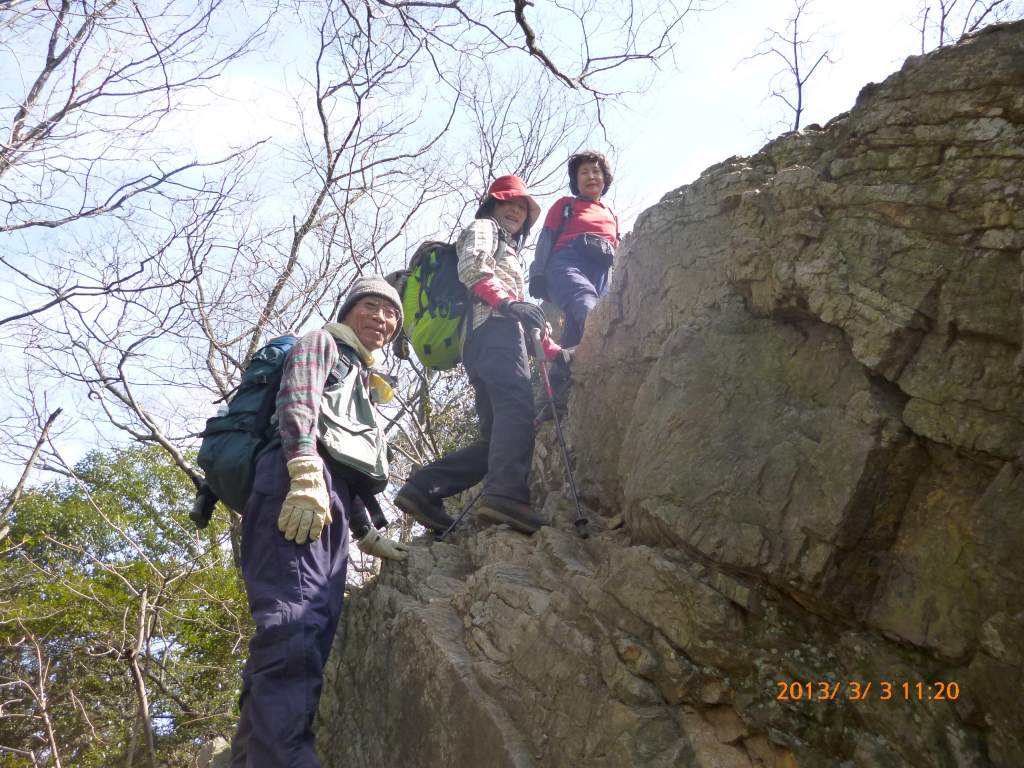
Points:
(85, 558)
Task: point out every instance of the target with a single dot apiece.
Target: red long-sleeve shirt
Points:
(588, 216)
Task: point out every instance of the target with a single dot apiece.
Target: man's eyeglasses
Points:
(373, 307)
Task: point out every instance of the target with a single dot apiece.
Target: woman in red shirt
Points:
(576, 246)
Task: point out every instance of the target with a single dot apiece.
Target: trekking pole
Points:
(581, 522)
(457, 519)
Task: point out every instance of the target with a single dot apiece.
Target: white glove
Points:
(307, 507)
(375, 544)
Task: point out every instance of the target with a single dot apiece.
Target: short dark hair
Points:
(486, 211)
(588, 156)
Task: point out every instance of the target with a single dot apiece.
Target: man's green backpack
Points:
(234, 440)
(435, 303)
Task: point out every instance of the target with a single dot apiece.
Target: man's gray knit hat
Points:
(372, 285)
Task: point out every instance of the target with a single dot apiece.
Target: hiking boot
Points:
(515, 514)
(427, 513)
(561, 365)
(542, 405)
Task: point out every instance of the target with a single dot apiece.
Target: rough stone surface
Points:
(797, 426)
(213, 754)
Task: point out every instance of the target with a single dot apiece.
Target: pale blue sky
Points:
(713, 106)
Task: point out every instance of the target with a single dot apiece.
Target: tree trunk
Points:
(140, 681)
(24, 475)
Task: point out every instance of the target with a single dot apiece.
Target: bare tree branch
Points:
(789, 46)
(944, 22)
(16, 494)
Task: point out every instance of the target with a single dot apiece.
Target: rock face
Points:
(213, 754)
(797, 427)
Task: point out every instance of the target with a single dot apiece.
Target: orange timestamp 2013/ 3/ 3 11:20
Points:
(859, 691)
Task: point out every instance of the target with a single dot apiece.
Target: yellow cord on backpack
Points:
(384, 389)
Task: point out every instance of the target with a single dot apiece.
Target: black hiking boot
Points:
(515, 514)
(427, 513)
(542, 405)
(560, 378)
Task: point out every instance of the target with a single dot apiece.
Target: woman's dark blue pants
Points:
(575, 283)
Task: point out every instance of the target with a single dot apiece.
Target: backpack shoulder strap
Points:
(348, 359)
(268, 405)
(618, 235)
(567, 211)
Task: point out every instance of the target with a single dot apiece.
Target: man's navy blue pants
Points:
(575, 283)
(295, 593)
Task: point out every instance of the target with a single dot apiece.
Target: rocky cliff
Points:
(797, 424)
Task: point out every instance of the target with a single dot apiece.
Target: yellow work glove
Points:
(307, 507)
(378, 546)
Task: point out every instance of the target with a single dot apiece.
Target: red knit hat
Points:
(509, 188)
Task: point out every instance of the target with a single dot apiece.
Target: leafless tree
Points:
(87, 88)
(579, 42)
(35, 688)
(602, 37)
(364, 173)
(401, 122)
(20, 487)
(796, 49)
(525, 126)
(943, 22)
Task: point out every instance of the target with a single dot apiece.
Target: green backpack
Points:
(435, 303)
(234, 440)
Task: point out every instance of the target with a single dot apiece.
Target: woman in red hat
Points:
(494, 354)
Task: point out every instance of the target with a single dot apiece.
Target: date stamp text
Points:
(860, 691)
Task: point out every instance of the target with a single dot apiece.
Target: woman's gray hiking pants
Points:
(498, 368)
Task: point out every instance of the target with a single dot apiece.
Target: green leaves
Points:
(72, 574)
